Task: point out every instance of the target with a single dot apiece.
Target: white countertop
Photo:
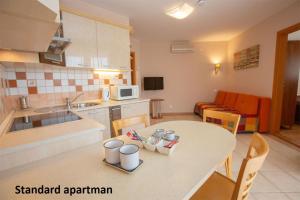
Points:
(202, 147)
(27, 136)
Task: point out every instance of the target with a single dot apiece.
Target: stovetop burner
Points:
(34, 121)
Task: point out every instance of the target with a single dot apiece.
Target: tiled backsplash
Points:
(48, 85)
(24, 79)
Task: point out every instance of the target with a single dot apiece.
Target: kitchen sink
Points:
(84, 105)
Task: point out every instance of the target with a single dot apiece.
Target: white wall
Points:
(259, 80)
(188, 78)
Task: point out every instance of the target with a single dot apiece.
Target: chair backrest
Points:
(127, 122)
(257, 152)
(229, 121)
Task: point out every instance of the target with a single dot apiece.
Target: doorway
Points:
(133, 68)
(285, 86)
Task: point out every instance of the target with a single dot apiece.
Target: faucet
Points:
(69, 102)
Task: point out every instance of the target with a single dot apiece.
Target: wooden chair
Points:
(219, 187)
(230, 122)
(127, 122)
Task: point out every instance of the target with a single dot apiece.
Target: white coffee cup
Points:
(129, 155)
(112, 148)
(170, 135)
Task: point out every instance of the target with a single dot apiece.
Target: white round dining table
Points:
(202, 148)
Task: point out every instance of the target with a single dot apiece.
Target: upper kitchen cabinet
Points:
(82, 51)
(28, 25)
(113, 46)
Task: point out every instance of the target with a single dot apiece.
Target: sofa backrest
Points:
(247, 104)
(220, 97)
(230, 99)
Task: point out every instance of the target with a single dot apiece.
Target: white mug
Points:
(129, 155)
(112, 148)
(170, 135)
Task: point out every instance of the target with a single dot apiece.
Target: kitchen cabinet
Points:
(95, 44)
(82, 51)
(134, 109)
(113, 47)
(28, 25)
(100, 115)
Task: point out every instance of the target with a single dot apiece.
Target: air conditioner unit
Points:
(181, 46)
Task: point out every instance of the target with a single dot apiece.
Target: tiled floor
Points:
(293, 135)
(279, 178)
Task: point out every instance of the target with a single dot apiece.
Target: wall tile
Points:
(23, 91)
(57, 82)
(10, 75)
(13, 91)
(22, 83)
(56, 75)
(57, 89)
(41, 90)
(48, 75)
(64, 75)
(40, 82)
(12, 83)
(40, 75)
(31, 83)
(20, 75)
(30, 75)
(49, 83)
(32, 90)
(64, 82)
(71, 82)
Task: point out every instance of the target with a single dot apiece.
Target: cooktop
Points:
(34, 121)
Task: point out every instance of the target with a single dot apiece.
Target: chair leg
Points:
(228, 166)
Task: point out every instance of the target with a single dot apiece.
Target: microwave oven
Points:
(122, 92)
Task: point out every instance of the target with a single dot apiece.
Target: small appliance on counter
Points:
(123, 92)
(105, 94)
(24, 102)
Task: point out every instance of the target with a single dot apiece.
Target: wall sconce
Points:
(217, 67)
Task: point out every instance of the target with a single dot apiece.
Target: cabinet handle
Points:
(116, 109)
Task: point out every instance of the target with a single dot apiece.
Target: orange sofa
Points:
(254, 110)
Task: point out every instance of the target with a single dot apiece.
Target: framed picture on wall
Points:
(246, 58)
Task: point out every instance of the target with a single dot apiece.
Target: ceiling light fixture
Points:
(181, 11)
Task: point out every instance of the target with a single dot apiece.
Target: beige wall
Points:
(187, 77)
(260, 80)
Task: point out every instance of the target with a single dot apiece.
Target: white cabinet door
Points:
(134, 109)
(100, 115)
(82, 51)
(113, 47)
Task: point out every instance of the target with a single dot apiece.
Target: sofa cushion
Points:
(220, 97)
(230, 100)
(247, 104)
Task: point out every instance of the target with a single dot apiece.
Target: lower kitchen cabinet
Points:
(100, 115)
(134, 109)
